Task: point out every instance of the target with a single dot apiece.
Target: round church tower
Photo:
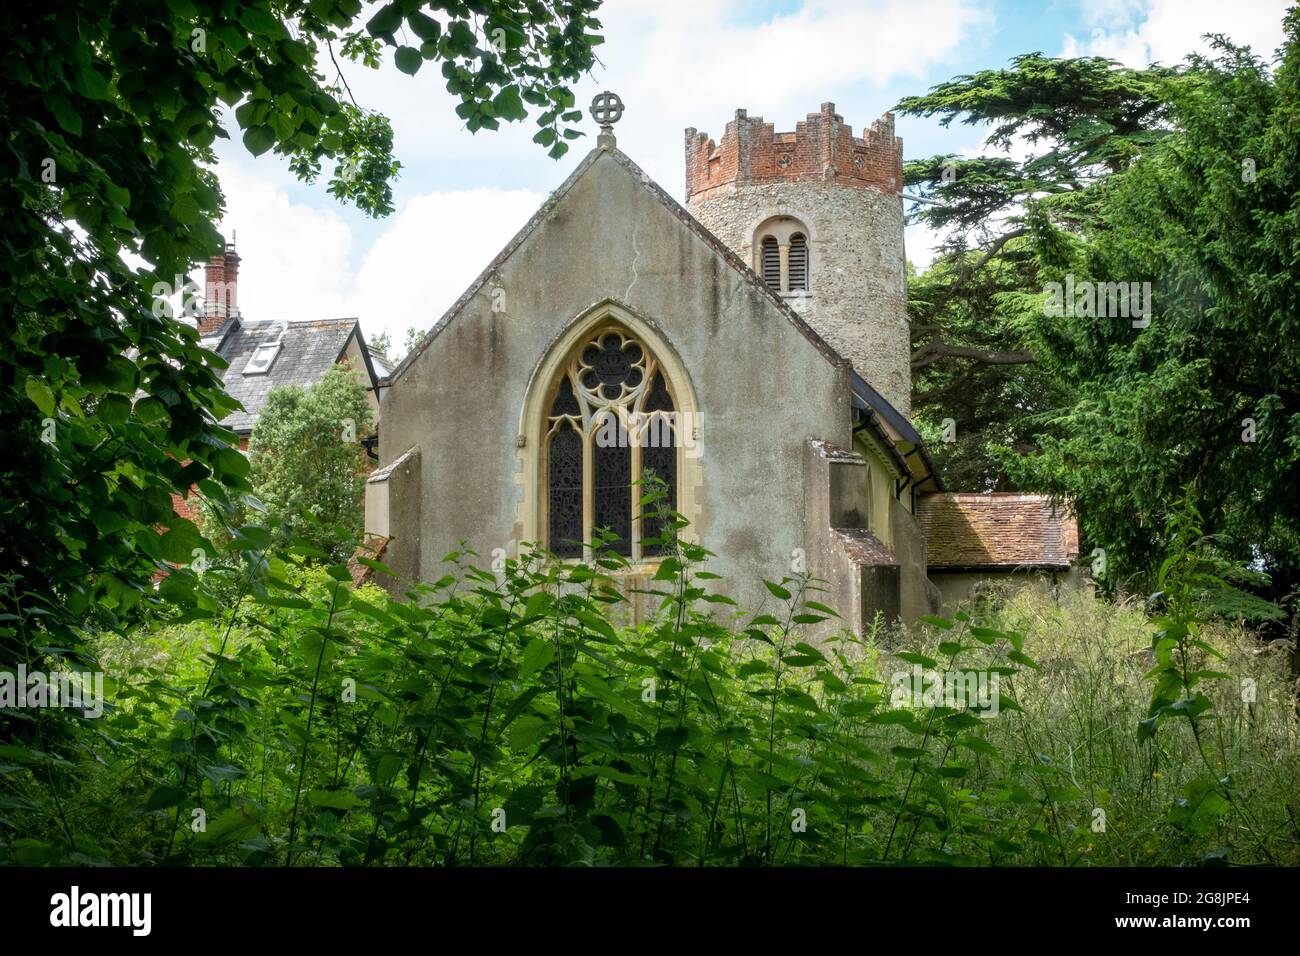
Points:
(817, 213)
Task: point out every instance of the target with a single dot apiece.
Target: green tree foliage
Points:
(513, 717)
(110, 112)
(384, 344)
(1196, 585)
(1181, 177)
(1081, 120)
(1208, 395)
(308, 466)
(980, 390)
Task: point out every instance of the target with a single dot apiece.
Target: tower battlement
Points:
(822, 148)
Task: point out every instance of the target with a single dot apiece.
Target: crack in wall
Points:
(636, 257)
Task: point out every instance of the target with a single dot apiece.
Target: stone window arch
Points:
(611, 418)
(782, 256)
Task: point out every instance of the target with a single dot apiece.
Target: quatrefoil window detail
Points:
(612, 365)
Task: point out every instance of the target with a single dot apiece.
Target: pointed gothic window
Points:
(612, 421)
(565, 484)
(659, 457)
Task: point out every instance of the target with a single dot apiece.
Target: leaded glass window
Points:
(612, 420)
(659, 456)
(611, 495)
(564, 476)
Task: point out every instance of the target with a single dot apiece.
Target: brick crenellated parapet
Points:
(821, 149)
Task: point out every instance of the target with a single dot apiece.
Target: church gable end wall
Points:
(608, 240)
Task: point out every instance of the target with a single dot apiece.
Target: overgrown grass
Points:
(502, 719)
(1081, 710)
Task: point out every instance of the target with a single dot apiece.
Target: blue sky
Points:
(676, 63)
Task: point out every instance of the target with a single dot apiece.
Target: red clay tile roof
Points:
(997, 531)
(373, 549)
(865, 548)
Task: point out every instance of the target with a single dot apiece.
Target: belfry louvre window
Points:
(771, 262)
(798, 263)
(783, 258)
(611, 421)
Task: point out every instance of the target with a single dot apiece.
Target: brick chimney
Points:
(221, 291)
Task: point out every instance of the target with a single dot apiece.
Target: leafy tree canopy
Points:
(1073, 122)
(308, 466)
(110, 113)
(1208, 395)
(1183, 178)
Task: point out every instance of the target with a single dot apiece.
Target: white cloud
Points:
(680, 63)
(1111, 13)
(676, 63)
(435, 247)
(792, 58)
(780, 67)
(692, 63)
(921, 243)
(294, 257)
(1137, 33)
(1140, 32)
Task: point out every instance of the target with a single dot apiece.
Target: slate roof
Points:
(308, 349)
(997, 531)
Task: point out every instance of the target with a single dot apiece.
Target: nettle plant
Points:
(517, 718)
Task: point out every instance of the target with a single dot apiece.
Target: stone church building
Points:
(751, 349)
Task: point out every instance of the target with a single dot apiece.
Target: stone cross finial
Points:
(606, 109)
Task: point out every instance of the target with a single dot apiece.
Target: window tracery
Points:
(611, 421)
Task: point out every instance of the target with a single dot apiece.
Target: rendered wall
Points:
(956, 587)
(917, 595)
(609, 236)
